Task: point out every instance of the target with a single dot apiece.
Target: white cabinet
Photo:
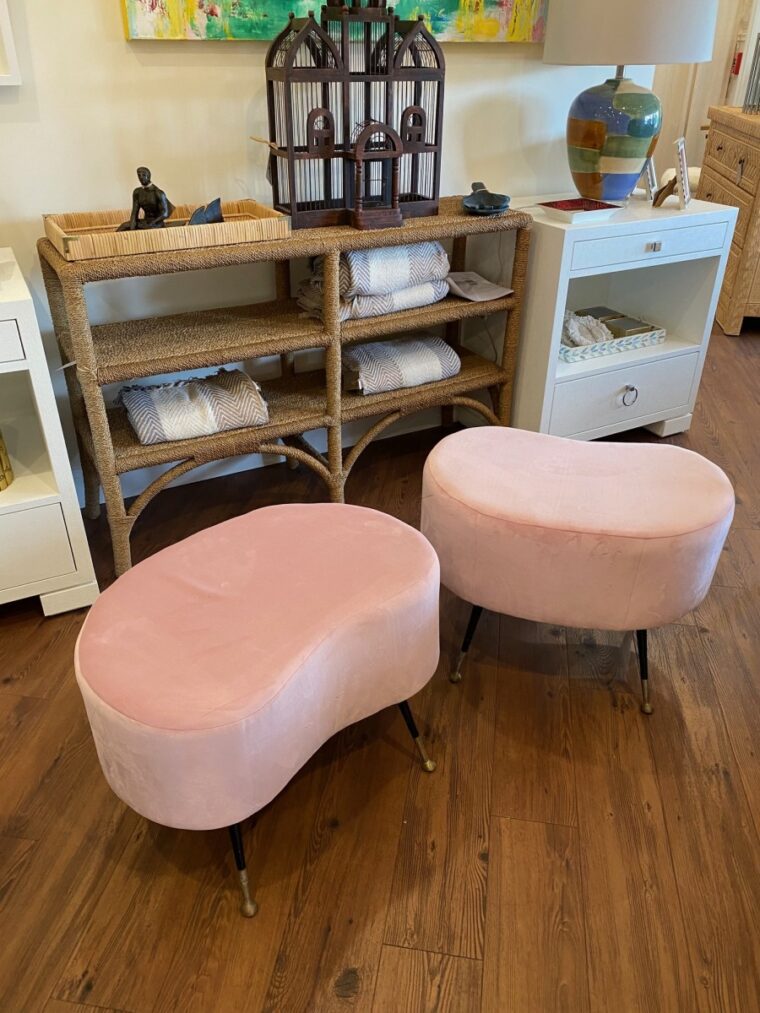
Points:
(662, 265)
(43, 548)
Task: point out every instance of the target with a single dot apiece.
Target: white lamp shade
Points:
(629, 32)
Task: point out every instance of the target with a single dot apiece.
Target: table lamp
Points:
(613, 127)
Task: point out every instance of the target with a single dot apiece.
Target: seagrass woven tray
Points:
(86, 235)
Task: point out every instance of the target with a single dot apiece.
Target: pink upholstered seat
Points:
(213, 670)
(618, 536)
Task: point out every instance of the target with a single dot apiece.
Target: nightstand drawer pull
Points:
(654, 247)
(630, 395)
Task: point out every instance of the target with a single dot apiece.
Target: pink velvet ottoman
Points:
(620, 536)
(212, 671)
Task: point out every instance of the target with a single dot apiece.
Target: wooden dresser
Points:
(730, 174)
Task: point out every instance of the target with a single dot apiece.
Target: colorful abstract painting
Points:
(450, 20)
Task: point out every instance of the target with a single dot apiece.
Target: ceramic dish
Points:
(482, 202)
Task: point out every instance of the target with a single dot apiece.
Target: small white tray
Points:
(611, 347)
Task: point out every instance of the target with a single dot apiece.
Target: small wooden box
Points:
(91, 234)
(602, 313)
(626, 327)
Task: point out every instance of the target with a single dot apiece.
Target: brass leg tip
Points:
(248, 906)
(646, 707)
(427, 764)
(456, 675)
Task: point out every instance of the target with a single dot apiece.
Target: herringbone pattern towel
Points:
(383, 271)
(362, 306)
(391, 365)
(197, 407)
(376, 282)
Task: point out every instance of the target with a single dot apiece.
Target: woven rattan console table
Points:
(298, 402)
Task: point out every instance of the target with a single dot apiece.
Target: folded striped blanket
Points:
(391, 365)
(383, 271)
(362, 306)
(196, 407)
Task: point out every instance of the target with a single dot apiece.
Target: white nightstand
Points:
(663, 265)
(43, 548)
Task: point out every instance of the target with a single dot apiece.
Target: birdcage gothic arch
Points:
(360, 72)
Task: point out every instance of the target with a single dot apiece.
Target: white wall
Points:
(688, 90)
(92, 107)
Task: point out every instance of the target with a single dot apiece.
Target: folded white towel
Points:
(383, 271)
(390, 365)
(196, 407)
(361, 306)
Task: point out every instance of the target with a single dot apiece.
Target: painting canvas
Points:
(449, 20)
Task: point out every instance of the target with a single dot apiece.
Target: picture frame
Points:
(649, 179)
(683, 188)
(10, 73)
(487, 21)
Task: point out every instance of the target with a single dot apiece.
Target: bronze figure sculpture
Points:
(151, 201)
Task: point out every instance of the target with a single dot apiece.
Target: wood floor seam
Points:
(524, 819)
(433, 953)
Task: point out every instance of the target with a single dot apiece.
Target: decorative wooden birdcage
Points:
(355, 117)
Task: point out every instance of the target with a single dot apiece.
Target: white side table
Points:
(43, 548)
(660, 264)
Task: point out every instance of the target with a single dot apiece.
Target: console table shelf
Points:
(298, 402)
(138, 348)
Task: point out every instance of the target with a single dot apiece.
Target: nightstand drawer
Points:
(622, 395)
(713, 187)
(35, 546)
(646, 246)
(733, 159)
(11, 348)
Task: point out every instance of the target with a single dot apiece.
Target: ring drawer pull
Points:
(654, 247)
(720, 147)
(630, 395)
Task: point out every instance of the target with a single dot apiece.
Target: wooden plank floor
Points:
(568, 854)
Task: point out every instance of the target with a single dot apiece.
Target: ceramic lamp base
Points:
(611, 131)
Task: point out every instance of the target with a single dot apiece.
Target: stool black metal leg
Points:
(248, 906)
(641, 642)
(411, 724)
(472, 625)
